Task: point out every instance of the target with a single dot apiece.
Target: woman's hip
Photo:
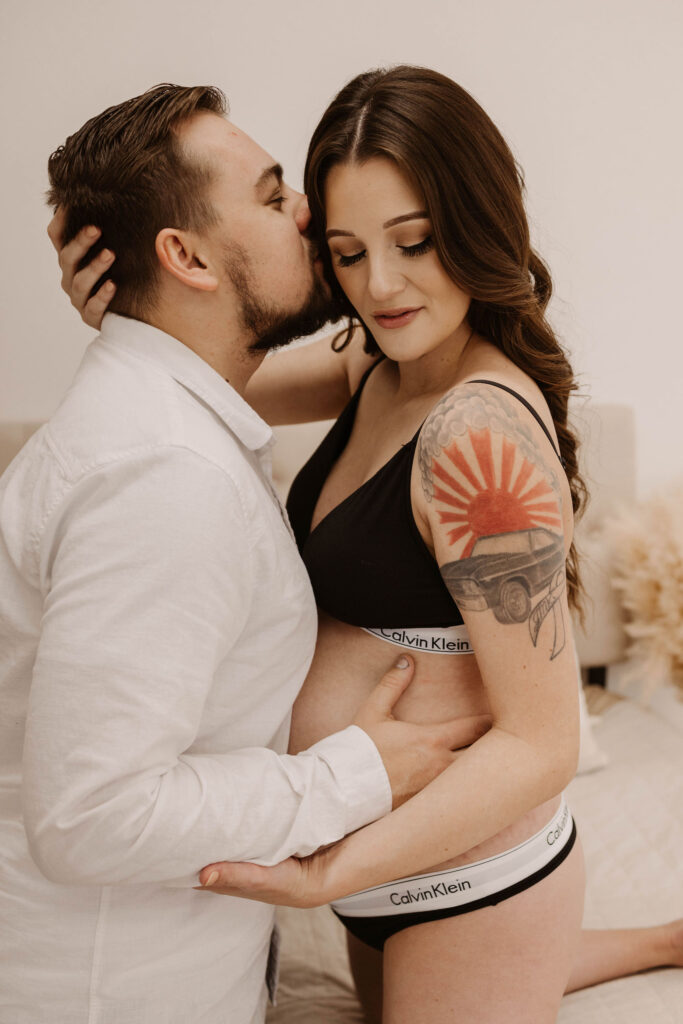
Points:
(375, 914)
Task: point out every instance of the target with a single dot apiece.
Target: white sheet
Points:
(630, 816)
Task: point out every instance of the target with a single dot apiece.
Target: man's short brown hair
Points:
(125, 172)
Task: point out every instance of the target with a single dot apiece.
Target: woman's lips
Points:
(396, 318)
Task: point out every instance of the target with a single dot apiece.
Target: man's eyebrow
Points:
(415, 215)
(270, 172)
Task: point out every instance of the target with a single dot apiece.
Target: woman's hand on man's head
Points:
(78, 284)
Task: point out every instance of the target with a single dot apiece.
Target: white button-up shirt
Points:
(156, 625)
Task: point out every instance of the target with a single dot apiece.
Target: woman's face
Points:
(383, 256)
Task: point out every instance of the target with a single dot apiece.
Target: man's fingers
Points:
(461, 732)
(390, 687)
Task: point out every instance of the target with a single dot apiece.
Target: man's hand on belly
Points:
(413, 755)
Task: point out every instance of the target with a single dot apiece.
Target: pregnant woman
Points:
(437, 516)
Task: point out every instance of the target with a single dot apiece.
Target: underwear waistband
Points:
(431, 639)
(472, 882)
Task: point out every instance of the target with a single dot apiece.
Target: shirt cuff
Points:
(359, 772)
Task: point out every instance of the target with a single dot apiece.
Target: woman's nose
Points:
(384, 281)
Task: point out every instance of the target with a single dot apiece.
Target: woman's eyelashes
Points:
(348, 261)
(419, 249)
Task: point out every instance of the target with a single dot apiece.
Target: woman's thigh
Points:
(507, 964)
(366, 967)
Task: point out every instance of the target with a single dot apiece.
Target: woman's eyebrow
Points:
(415, 215)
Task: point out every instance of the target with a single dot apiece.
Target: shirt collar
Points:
(187, 368)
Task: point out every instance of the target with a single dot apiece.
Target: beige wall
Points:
(587, 93)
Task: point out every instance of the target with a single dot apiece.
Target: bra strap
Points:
(529, 406)
(362, 381)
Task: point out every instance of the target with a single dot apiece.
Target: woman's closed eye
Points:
(348, 261)
(419, 249)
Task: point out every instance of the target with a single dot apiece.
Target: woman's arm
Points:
(307, 382)
(492, 500)
(486, 472)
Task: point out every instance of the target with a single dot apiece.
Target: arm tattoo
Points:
(501, 502)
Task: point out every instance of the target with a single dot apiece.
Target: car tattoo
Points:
(505, 571)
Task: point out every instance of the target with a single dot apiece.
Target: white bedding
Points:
(630, 815)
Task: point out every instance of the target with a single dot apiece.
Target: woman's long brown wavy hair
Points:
(440, 137)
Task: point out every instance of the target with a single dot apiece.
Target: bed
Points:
(629, 815)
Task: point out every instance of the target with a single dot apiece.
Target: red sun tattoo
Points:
(485, 486)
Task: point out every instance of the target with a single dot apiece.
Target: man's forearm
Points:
(246, 805)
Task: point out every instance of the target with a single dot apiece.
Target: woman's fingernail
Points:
(402, 662)
(107, 255)
(92, 232)
(213, 877)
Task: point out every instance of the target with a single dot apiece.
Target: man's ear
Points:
(179, 253)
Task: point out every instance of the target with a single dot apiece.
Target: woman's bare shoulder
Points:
(492, 366)
(487, 399)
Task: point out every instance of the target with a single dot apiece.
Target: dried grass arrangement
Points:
(648, 574)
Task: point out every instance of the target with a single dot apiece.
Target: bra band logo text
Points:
(448, 640)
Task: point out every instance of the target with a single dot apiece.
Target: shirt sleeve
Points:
(148, 583)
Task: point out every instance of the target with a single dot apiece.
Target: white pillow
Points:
(591, 756)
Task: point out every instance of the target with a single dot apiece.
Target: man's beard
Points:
(269, 326)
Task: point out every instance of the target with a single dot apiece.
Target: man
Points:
(157, 623)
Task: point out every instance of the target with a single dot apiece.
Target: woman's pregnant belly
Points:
(349, 662)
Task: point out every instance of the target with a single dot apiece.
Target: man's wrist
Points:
(360, 773)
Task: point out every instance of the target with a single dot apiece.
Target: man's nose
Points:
(302, 217)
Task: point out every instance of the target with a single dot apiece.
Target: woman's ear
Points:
(180, 253)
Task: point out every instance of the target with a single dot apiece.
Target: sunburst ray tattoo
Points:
(501, 506)
(494, 490)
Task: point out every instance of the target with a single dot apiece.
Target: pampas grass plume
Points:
(648, 574)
